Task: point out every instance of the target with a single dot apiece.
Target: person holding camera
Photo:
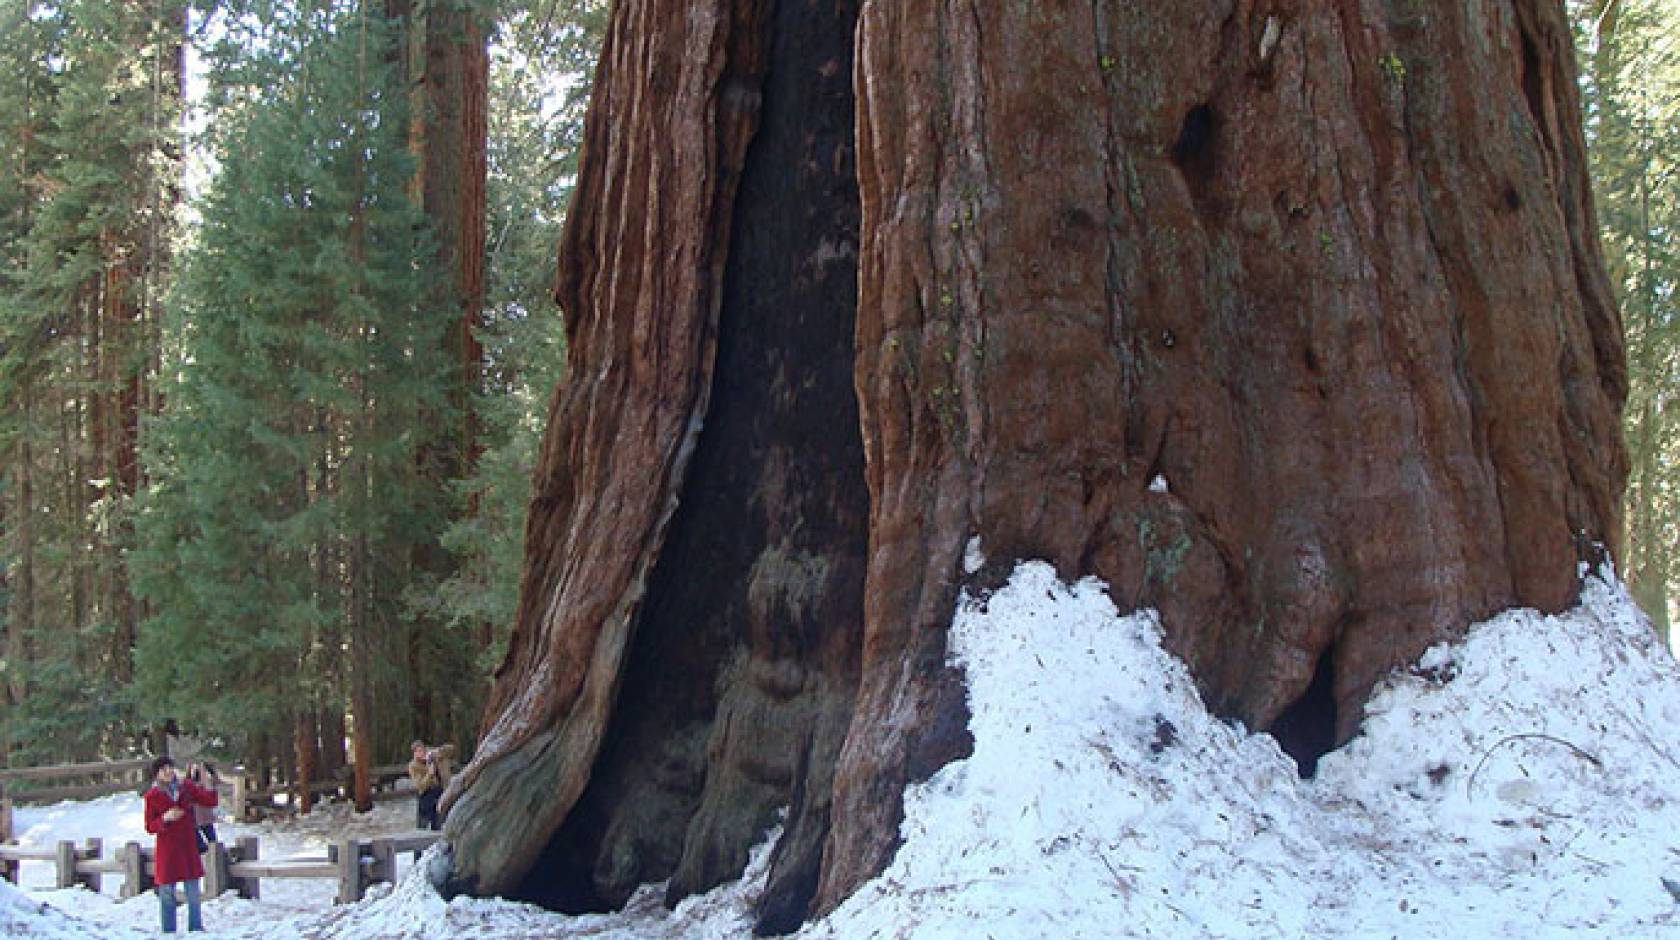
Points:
(430, 771)
(170, 803)
(204, 817)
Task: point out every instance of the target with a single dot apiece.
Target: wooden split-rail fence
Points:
(354, 863)
(241, 799)
(95, 779)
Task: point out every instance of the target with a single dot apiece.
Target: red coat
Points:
(177, 842)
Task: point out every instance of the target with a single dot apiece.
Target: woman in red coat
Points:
(169, 814)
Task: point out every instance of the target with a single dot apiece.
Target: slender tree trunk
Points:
(1288, 322)
(368, 637)
(20, 614)
(1649, 570)
(329, 664)
(303, 745)
(447, 63)
(361, 680)
(331, 722)
(73, 472)
(116, 426)
(1646, 550)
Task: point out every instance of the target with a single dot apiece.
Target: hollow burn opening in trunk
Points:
(1307, 728)
(739, 681)
(1196, 151)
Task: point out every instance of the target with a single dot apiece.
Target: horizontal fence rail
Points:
(246, 801)
(90, 769)
(23, 784)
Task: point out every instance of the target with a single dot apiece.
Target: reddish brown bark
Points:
(303, 745)
(623, 428)
(1330, 272)
(447, 61)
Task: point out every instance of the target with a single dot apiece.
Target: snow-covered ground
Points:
(1522, 783)
(288, 906)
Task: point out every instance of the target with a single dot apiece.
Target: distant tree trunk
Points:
(1646, 548)
(20, 607)
(303, 745)
(331, 722)
(1327, 277)
(447, 64)
(361, 682)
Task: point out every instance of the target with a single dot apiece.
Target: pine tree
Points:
(288, 498)
(90, 156)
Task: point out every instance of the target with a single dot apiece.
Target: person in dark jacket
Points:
(204, 817)
(169, 816)
(430, 770)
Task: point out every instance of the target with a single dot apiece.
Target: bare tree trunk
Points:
(361, 680)
(303, 745)
(1645, 546)
(331, 722)
(117, 436)
(1288, 322)
(447, 66)
(447, 63)
(20, 612)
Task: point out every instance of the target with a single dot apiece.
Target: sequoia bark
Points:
(1286, 319)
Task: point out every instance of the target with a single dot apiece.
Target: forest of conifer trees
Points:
(273, 369)
(276, 344)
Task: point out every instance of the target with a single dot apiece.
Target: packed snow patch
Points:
(1102, 793)
(1520, 783)
(25, 915)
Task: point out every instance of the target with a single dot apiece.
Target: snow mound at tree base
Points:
(1521, 783)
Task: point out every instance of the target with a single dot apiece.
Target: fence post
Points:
(215, 870)
(249, 850)
(8, 867)
(133, 871)
(238, 807)
(136, 879)
(384, 862)
(66, 859)
(349, 872)
(93, 880)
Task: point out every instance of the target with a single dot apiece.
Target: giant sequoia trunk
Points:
(1328, 272)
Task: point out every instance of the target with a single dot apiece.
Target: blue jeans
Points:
(167, 902)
